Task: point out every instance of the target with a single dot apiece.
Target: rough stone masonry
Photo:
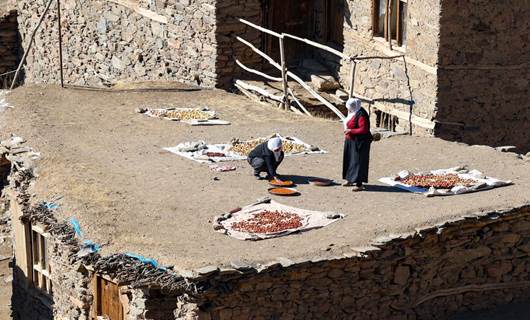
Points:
(464, 76)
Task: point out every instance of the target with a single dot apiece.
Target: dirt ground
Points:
(108, 164)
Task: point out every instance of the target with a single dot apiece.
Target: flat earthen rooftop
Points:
(107, 163)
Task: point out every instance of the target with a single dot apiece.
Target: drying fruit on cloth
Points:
(215, 154)
(269, 222)
(187, 115)
(438, 181)
(245, 147)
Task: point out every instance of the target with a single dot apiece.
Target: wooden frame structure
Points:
(288, 74)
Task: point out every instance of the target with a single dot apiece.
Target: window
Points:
(397, 20)
(39, 260)
(107, 302)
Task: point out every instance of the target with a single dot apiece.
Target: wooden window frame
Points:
(398, 34)
(39, 259)
(99, 304)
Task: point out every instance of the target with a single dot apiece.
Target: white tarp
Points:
(3, 102)
(199, 150)
(309, 219)
(162, 113)
(482, 182)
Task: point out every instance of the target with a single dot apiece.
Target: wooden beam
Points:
(259, 73)
(259, 90)
(284, 75)
(389, 14)
(262, 54)
(419, 121)
(316, 95)
(272, 33)
(352, 77)
(133, 5)
(299, 103)
(318, 45)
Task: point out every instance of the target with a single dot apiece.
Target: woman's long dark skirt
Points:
(356, 160)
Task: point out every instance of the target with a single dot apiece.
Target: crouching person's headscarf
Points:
(353, 105)
(275, 145)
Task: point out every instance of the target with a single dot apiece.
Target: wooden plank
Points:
(259, 90)
(389, 14)
(284, 76)
(352, 77)
(421, 122)
(267, 31)
(318, 45)
(299, 103)
(133, 5)
(398, 23)
(259, 73)
(262, 54)
(316, 95)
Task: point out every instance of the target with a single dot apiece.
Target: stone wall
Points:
(106, 42)
(9, 46)
(393, 83)
(468, 264)
(484, 73)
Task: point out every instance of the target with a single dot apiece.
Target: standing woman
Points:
(356, 145)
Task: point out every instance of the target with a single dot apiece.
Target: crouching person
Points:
(267, 157)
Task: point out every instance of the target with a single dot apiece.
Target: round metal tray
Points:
(283, 184)
(284, 192)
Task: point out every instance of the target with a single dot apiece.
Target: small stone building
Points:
(465, 75)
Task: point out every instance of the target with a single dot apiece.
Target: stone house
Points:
(394, 256)
(465, 61)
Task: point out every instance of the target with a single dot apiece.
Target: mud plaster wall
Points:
(484, 73)
(462, 266)
(386, 81)
(9, 45)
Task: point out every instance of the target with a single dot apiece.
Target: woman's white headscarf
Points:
(275, 144)
(353, 105)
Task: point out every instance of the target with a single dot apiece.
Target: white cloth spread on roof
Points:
(309, 219)
(482, 182)
(207, 153)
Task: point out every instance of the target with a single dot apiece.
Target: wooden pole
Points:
(284, 75)
(31, 38)
(60, 42)
(389, 17)
(352, 77)
(259, 73)
(386, 20)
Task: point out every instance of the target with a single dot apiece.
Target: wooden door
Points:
(295, 17)
(107, 299)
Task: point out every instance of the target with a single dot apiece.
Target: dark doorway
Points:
(5, 169)
(295, 17)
